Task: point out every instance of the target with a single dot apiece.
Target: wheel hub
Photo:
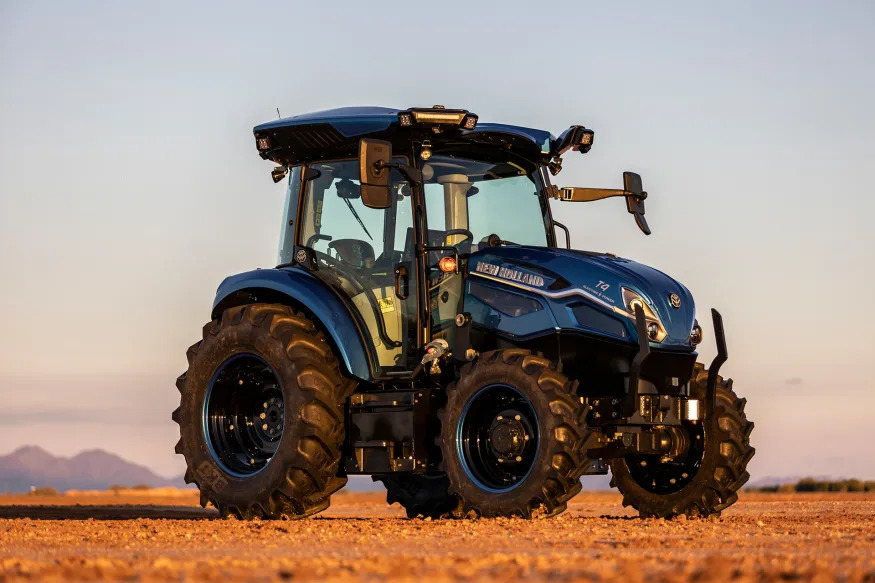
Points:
(671, 472)
(507, 436)
(270, 420)
(243, 415)
(497, 438)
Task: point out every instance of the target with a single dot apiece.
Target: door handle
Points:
(402, 282)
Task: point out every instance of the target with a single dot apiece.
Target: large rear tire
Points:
(512, 436)
(261, 418)
(707, 479)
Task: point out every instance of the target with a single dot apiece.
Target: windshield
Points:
(468, 200)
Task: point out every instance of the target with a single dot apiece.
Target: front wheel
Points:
(707, 478)
(512, 436)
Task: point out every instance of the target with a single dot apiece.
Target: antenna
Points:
(278, 116)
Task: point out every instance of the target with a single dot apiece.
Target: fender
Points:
(300, 289)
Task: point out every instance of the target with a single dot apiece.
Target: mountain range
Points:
(31, 466)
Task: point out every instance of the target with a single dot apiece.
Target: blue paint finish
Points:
(349, 121)
(359, 121)
(600, 276)
(311, 292)
(540, 138)
(485, 315)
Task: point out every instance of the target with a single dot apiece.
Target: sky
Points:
(130, 185)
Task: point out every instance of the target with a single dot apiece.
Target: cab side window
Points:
(359, 250)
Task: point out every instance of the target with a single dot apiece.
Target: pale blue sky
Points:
(130, 185)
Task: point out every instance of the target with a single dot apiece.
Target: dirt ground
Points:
(143, 537)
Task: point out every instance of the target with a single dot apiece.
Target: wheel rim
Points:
(659, 477)
(244, 415)
(497, 438)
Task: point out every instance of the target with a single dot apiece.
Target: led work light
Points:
(438, 116)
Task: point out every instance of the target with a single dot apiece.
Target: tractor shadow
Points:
(122, 512)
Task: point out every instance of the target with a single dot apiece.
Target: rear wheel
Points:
(707, 478)
(512, 436)
(261, 414)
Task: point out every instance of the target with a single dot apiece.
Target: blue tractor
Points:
(424, 326)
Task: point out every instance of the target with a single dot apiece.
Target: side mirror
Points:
(635, 199)
(375, 158)
(632, 191)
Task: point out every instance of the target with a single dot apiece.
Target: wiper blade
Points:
(356, 215)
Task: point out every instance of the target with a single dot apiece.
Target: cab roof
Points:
(335, 133)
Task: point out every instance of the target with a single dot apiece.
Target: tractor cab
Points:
(397, 247)
(399, 266)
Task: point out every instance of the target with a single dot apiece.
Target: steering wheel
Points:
(468, 234)
(344, 268)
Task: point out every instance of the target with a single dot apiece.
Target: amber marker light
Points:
(447, 264)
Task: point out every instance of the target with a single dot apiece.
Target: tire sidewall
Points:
(702, 495)
(682, 500)
(485, 501)
(239, 339)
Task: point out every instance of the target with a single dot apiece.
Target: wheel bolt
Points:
(643, 463)
(264, 406)
(501, 460)
(262, 415)
(499, 418)
(672, 481)
(264, 426)
(526, 437)
(685, 475)
(517, 417)
(252, 461)
(231, 427)
(519, 458)
(240, 382)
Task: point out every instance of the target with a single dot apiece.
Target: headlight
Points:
(631, 299)
(696, 334)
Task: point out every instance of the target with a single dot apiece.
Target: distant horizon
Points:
(760, 481)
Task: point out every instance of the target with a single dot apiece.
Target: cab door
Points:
(368, 256)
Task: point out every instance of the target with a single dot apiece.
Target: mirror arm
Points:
(409, 172)
(571, 193)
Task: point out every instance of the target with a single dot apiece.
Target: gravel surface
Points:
(764, 537)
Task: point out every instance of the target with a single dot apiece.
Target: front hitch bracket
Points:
(714, 369)
(631, 403)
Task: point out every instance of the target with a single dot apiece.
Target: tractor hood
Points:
(583, 290)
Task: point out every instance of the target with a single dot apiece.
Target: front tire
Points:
(512, 436)
(261, 418)
(707, 479)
